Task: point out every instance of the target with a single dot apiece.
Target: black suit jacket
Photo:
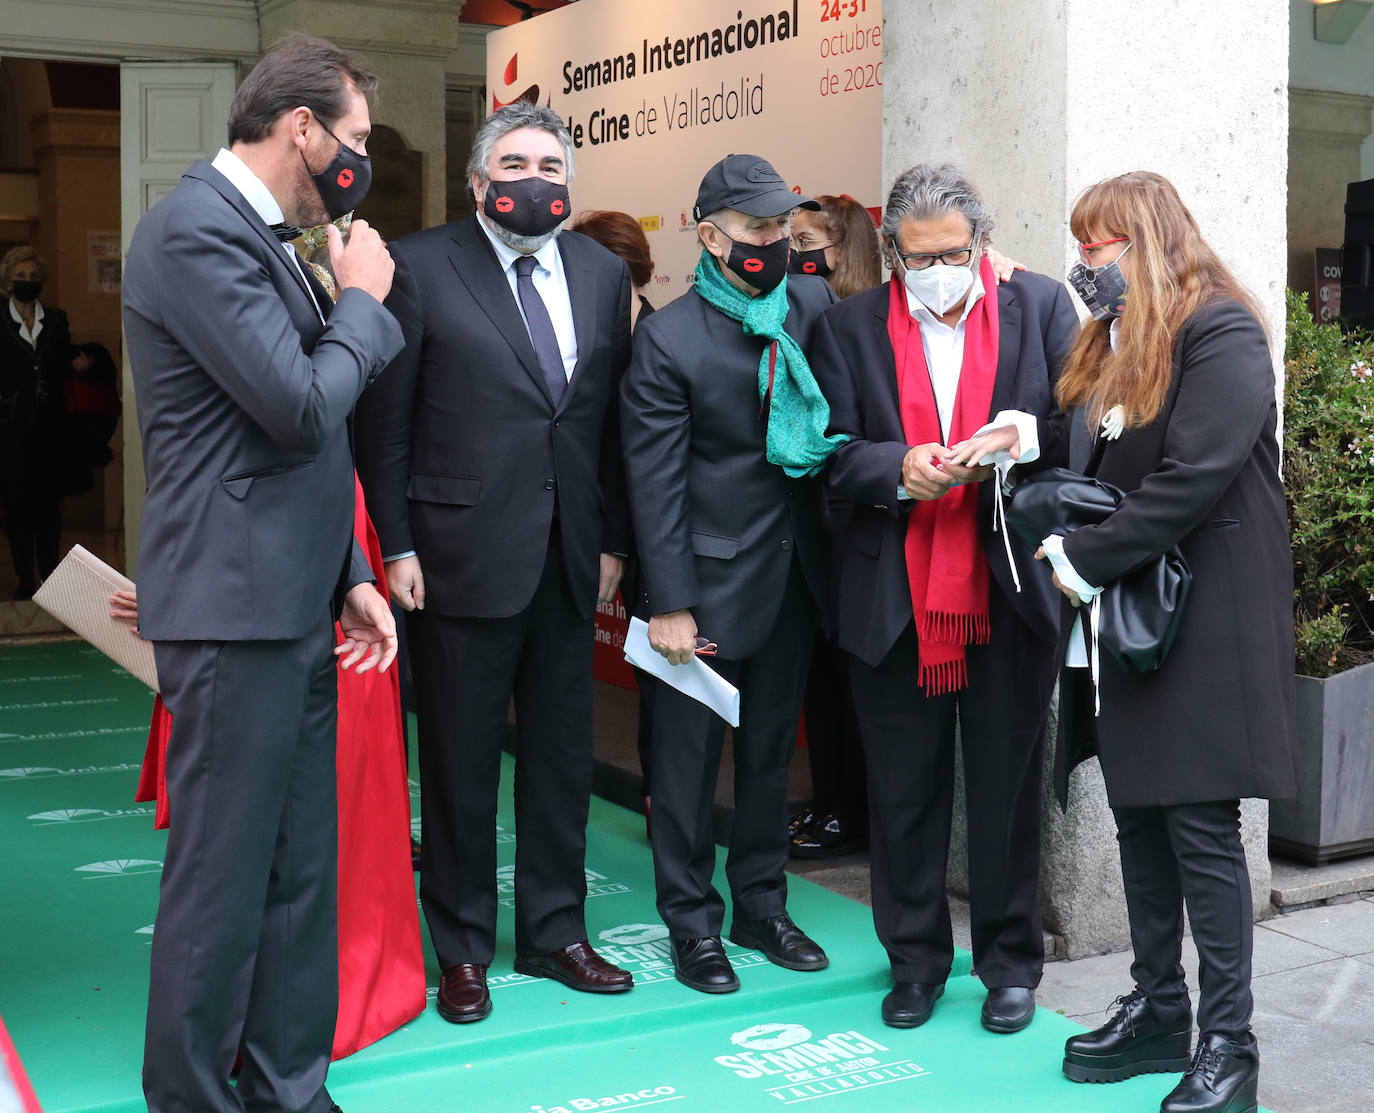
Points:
(32, 408)
(461, 450)
(243, 400)
(1216, 721)
(717, 525)
(854, 362)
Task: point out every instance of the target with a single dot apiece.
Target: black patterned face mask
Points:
(527, 206)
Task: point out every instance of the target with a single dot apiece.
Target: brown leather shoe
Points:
(463, 995)
(578, 967)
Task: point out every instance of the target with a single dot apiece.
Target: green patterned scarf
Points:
(798, 412)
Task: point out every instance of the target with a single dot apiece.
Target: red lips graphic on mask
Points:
(505, 204)
(557, 207)
(345, 178)
(808, 268)
(753, 266)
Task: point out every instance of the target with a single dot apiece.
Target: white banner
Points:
(655, 93)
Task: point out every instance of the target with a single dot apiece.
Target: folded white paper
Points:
(77, 594)
(696, 678)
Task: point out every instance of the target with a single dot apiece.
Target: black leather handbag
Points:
(1139, 613)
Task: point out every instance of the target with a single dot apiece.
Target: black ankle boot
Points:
(1224, 1078)
(1135, 1041)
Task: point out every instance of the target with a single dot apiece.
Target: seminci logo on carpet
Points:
(791, 1066)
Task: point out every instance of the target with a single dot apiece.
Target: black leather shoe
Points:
(1135, 1041)
(577, 966)
(826, 837)
(414, 854)
(463, 996)
(1223, 1078)
(1008, 1009)
(910, 1004)
(781, 941)
(701, 964)
(799, 821)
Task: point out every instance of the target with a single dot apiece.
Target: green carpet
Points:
(79, 884)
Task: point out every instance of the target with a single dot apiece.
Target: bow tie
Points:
(285, 232)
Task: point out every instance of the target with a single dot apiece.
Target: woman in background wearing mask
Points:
(36, 356)
(1174, 382)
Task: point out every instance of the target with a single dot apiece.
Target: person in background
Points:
(36, 360)
(838, 242)
(1172, 383)
(621, 233)
(724, 431)
(940, 625)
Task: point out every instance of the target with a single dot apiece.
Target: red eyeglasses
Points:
(1084, 248)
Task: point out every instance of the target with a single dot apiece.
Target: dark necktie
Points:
(285, 232)
(540, 324)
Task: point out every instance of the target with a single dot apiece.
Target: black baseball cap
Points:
(749, 185)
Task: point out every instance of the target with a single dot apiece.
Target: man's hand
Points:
(923, 473)
(612, 568)
(368, 629)
(966, 454)
(674, 635)
(363, 261)
(406, 582)
(124, 608)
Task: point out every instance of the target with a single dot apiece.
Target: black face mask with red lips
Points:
(527, 206)
(761, 267)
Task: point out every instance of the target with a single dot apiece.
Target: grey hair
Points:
(928, 192)
(520, 114)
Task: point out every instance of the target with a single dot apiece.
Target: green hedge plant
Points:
(1328, 477)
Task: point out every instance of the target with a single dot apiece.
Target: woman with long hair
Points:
(1171, 387)
(839, 242)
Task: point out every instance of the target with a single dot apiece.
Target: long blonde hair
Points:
(1173, 274)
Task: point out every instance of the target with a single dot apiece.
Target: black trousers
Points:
(33, 523)
(245, 951)
(685, 757)
(466, 671)
(834, 746)
(1190, 852)
(909, 745)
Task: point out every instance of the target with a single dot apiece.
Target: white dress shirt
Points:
(263, 203)
(550, 283)
(31, 335)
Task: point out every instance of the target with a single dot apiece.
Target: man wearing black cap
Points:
(724, 434)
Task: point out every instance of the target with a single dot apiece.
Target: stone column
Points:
(406, 43)
(1037, 101)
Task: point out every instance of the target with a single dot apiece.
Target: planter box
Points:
(1333, 814)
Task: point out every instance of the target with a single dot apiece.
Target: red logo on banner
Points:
(509, 78)
(753, 266)
(504, 204)
(556, 207)
(345, 178)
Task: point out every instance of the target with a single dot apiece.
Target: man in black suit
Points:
(245, 377)
(726, 512)
(942, 625)
(490, 457)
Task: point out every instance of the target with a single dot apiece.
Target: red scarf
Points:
(945, 565)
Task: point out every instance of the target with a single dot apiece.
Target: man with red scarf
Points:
(944, 616)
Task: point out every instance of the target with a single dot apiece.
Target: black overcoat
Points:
(1216, 721)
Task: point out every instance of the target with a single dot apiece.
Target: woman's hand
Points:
(1002, 266)
(1005, 438)
(124, 608)
(1069, 593)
